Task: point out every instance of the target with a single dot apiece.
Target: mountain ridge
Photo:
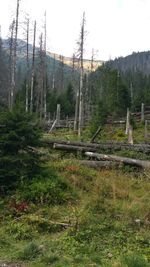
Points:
(136, 62)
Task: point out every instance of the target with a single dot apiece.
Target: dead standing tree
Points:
(81, 76)
(40, 95)
(14, 57)
(40, 79)
(79, 96)
(11, 59)
(33, 69)
(27, 64)
(45, 69)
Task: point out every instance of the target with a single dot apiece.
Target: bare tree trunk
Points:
(130, 135)
(76, 110)
(58, 114)
(131, 93)
(81, 77)
(45, 69)
(27, 63)
(146, 130)
(127, 121)
(11, 60)
(41, 77)
(33, 69)
(142, 112)
(53, 78)
(13, 75)
(75, 85)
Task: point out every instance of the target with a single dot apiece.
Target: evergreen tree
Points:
(19, 136)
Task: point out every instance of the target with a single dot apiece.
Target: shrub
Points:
(19, 136)
(19, 230)
(48, 188)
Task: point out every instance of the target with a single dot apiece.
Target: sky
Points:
(113, 28)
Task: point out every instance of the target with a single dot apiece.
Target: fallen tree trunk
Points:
(99, 164)
(134, 162)
(108, 145)
(72, 148)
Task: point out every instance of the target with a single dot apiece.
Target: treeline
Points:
(116, 90)
(135, 62)
(60, 80)
(108, 91)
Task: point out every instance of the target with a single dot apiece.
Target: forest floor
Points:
(76, 216)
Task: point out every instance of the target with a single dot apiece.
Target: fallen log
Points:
(115, 146)
(134, 162)
(99, 164)
(96, 145)
(72, 148)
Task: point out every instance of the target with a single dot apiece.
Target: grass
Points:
(78, 217)
(108, 132)
(108, 222)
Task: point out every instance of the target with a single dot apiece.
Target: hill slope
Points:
(136, 62)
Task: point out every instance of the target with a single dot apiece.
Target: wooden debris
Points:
(134, 162)
(142, 112)
(96, 134)
(115, 146)
(130, 135)
(72, 148)
(127, 121)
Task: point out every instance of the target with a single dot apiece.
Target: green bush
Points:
(99, 116)
(30, 252)
(20, 230)
(46, 188)
(19, 136)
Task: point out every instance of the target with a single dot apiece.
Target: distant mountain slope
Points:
(86, 62)
(21, 53)
(54, 65)
(139, 61)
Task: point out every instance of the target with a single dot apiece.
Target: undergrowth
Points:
(78, 217)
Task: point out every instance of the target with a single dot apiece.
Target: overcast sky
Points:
(114, 27)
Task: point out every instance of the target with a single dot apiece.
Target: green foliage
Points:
(50, 259)
(30, 252)
(66, 99)
(98, 228)
(111, 90)
(19, 230)
(135, 260)
(46, 191)
(19, 136)
(46, 188)
(99, 116)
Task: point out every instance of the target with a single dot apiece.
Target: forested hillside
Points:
(123, 82)
(136, 62)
